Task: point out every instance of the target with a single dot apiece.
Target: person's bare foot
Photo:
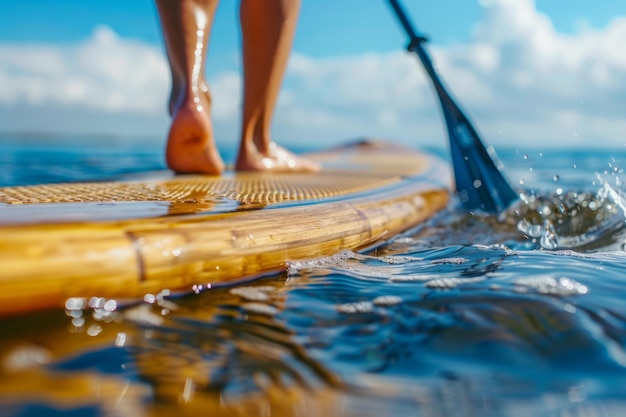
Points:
(275, 158)
(190, 144)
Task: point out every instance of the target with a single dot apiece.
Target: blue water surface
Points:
(520, 314)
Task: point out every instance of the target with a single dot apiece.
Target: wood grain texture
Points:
(47, 258)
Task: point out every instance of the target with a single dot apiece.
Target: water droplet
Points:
(78, 322)
(525, 156)
(549, 239)
(545, 210)
(110, 305)
(74, 313)
(529, 229)
(556, 178)
(575, 132)
(96, 302)
(75, 303)
(477, 183)
(94, 330)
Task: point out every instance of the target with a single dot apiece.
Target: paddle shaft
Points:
(479, 183)
(415, 45)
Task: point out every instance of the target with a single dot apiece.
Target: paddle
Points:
(479, 183)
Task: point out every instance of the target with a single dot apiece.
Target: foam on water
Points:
(552, 286)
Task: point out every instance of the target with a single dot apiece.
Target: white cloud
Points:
(103, 73)
(519, 79)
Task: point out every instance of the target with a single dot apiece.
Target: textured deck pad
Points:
(127, 238)
(346, 170)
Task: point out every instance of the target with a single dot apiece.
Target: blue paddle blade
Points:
(479, 183)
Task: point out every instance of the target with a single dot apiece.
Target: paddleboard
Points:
(125, 239)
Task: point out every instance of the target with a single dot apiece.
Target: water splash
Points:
(573, 220)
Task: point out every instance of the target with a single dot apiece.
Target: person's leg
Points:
(190, 145)
(268, 28)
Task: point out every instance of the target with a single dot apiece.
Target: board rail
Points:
(47, 259)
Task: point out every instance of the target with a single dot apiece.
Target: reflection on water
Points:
(516, 315)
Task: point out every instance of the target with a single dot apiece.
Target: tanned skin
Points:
(268, 28)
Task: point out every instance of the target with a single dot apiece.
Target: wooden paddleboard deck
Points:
(125, 239)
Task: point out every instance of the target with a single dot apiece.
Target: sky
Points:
(544, 73)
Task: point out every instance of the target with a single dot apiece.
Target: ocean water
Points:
(520, 314)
